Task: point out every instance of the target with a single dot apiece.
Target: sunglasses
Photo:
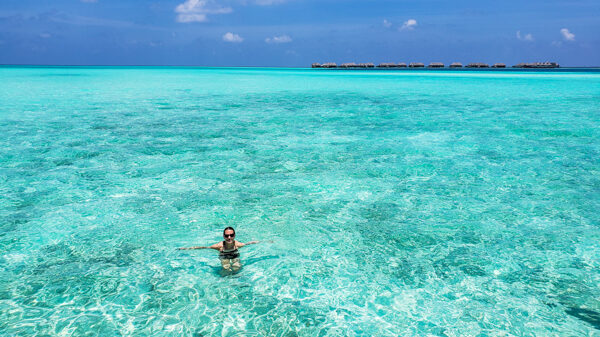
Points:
(228, 235)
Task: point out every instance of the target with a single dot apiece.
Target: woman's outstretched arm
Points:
(216, 246)
(190, 248)
(240, 244)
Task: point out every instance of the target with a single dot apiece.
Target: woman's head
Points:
(229, 234)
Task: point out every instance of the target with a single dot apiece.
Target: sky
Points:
(296, 33)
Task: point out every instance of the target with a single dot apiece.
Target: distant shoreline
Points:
(446, 69)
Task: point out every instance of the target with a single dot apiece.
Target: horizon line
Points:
(254, 66)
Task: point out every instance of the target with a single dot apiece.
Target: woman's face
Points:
(229, 235)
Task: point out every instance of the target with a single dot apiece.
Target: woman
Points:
(228, 250)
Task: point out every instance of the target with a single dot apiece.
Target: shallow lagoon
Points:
(398, 203)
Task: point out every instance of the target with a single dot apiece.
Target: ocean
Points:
(387, 203)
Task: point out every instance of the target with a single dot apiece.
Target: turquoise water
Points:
(388, 203)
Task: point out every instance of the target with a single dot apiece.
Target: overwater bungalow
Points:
(477, 65)
(435, 65)
(537, 65)
(349, 65)
(352, 65)
(546, 65)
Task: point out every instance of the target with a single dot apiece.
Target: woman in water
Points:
(228, 250)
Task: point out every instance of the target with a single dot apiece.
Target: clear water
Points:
(396, 203)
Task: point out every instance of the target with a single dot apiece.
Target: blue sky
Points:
(297, 32)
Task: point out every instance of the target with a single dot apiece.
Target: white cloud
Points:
(386, 23)
(410, 24)
(567, 35)
(230, 37)
(526, 37)
(185, 18)
(279, 39)
(196, 10)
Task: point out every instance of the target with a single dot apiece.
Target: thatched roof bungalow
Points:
(546, 65)
(329, 65)
(499, 65)
(387, 65)
(456, 65)
(436, 65)
(348, 65)
(478, 65)
(366, 65)
(401, 65)
(537, 65)
(316, 65)
(416, 65)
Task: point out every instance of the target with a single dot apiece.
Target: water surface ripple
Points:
(397, 203)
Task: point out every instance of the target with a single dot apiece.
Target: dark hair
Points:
(228, 228)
